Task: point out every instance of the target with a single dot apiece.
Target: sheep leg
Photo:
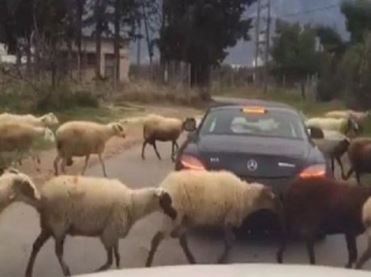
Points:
(352, 249)
(332, 165)
(228, 241)
(59, 249)
(86, 164)
(156, 151)
(143, 149)
(63, 165)
(56, 161)
(350, 172)
(38, 244)
(358, 177)
(109, 262)
(338, 159)
(156, 240)
(103, 166)
(365, 256)
(310, 249)
(184, 244)
(117, 254)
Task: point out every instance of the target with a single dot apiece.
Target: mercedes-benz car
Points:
(260, 141)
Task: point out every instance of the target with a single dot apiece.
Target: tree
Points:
(199, 32)
(294, 52)
(358, 18)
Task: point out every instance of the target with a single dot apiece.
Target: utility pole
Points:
(257, 40)
(139, 40)
(262, 48)
(267, 47)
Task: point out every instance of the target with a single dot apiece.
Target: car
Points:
(259, 141)
(252, 269)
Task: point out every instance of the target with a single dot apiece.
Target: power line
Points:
(312, 10)
(319, 9)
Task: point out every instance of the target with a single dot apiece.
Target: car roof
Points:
(243, 103)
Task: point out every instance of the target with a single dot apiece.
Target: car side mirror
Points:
(316, 133)
(190, 125)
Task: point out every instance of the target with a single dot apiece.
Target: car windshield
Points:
(273, 123)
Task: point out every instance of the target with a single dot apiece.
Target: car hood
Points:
(238, 270)
(297, 149)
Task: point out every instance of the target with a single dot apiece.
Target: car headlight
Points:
(318, 170)
(191, 162)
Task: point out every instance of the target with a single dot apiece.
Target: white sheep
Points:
(203, 198)
(20, 137)
(83, 138)
(48, 120)
(16, 186)
(334, 145)
(342, 125)
(366, 220)
(160, 128)
(99, 207)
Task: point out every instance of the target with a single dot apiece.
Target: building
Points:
(107, 69)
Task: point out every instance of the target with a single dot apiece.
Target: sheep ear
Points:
(166, 204)
(25, 187)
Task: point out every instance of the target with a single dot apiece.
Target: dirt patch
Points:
(115, 146)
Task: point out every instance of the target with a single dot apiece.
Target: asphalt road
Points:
(19, 227)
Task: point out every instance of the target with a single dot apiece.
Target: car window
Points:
(272, 124)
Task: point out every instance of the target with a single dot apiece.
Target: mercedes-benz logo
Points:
(252, 165)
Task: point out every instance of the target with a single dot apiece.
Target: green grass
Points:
(102, 115)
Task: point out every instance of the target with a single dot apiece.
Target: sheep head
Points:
(264, 198)
(118, 129)
(353, 126)
(16, 186)
(49, 135)
(49, 120)
(189, 124)
(165, 203)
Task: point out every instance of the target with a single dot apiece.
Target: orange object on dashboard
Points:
(255, 110)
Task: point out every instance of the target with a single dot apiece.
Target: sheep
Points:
(48, 120)
(359, 117)
(366, 219)
(95, 207)
(16, 186)
(203, 198)
(342, 125)
(334, 145)
(159, 128)
(20, 137)
(83, 138)
(359, 154)
(317, 206)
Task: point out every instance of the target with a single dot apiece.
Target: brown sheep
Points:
(159, 128)
(366, 219)
(359, 154)
(319, 206)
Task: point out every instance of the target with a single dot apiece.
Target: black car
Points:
(260, 141)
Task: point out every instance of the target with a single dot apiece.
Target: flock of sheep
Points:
(107, 209)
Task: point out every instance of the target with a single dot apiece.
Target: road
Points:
(19, 227)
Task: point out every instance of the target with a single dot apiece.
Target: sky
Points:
(315, 12)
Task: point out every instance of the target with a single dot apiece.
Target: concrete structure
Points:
(107, 68)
